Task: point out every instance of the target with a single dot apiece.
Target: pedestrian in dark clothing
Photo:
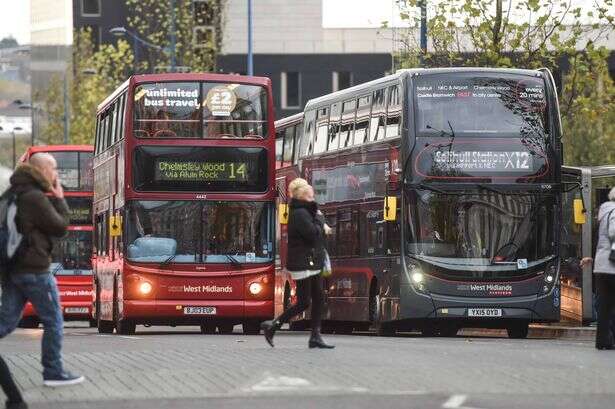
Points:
(14, 398)
(604, 273)
(306, 254)
(39, 219)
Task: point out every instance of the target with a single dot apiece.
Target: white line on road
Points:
(455, 402)
(120, 336)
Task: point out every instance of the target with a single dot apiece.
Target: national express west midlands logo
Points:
(201, 289)
(490, 289)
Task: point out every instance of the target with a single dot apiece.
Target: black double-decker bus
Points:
(443, 188)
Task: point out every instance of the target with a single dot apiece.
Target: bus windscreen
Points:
(80, 210)
(471, 105)
(200, 110)
(72, 254)
(200, 169)
(75, 170)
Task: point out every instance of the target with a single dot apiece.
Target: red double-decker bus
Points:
(71, 258)
(184, 203)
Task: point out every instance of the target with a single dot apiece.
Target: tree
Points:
(94, 75)
(198, 27)
(545, 33)
(8, 42)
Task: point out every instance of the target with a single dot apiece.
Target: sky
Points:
(15, 20)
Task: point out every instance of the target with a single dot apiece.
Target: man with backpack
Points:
(41, 214)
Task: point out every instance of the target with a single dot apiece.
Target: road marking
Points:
(280, 383)
(120, 336)
(455, 402)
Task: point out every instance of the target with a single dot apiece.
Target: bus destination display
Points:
(169, 170)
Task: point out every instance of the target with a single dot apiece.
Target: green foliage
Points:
(96, 73)
(194, 47)
(483, 33)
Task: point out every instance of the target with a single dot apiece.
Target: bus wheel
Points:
(30, 322)
(208, 328)
(518, 331)
(251, 328)
(429, 331)
(105, 327)
(448, 331)
(225, 328)
(286, 301)
(125, 327)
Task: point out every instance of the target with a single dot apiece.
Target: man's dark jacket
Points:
(306, 239)
(39, 218)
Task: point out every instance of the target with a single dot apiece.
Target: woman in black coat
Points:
(306, 255)
(14, 398)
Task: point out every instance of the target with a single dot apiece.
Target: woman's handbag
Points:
(326, 267)
(608, 225)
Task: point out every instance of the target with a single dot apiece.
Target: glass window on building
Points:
(341, 80)
(291, 90)
(90, 7)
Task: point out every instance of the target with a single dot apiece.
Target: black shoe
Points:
(269, 328)
(16, 405)
(316, 341)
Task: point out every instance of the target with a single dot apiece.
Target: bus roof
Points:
(289, 120)
(361, 88)
(191, 76)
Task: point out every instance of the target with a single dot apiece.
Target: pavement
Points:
(180, 368)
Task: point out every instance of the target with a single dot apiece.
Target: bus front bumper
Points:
(183, 311)
(545, 308)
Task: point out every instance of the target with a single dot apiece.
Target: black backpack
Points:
(10, 238)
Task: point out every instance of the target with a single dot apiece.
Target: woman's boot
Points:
(269, 328)
(316, 340)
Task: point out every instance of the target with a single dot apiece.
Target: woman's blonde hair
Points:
(297, 187)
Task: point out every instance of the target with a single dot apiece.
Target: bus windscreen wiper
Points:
(442, 132)
(167, 261)
(233, 261)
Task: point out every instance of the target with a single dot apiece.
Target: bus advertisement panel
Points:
(443, 188)
(184, 203)
(71, 257)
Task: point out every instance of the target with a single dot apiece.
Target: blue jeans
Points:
(42, 291)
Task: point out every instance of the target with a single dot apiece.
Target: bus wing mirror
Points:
(115, 226)
(579, 211)
(283, 213)
(390, 208)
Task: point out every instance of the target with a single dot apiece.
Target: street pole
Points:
(172, 2)
(13, 132)
(423, 5)
(135, 50)
(250, 56)
(66, 110)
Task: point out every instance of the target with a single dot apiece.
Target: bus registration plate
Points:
(76, 310)
(200, 310)
(484, 312)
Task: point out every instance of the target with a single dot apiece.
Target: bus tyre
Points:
(429, 331)
(125, 327)
(251, 328)
(29, 322)
(208, 328)
(518, 331)
(448, 331)
(225, 328)
(105, 327)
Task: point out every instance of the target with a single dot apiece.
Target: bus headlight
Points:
(549, 277)
(417, 276)
(145, 288)
(255, 288)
